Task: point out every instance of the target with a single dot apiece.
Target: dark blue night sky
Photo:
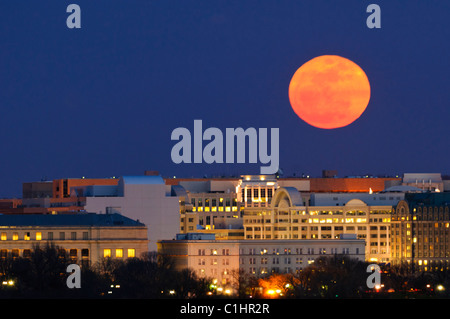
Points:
(103, 100)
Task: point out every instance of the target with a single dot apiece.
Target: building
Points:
(385, 198)
(215, 200)
(305, 185)
(256, 190)
(85, 237)
(211, 206)
(289, 218)
(40, 189)
(144, 198)
(305, 208)
(252, 207)
(57, 196)
(223, 260)
(420, 231)
(426, 181)
(62, 188)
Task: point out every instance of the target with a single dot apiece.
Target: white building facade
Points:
(222, 260)
(146, 199)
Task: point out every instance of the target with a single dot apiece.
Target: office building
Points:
(289, 218)
(143, 198)
(425, 181)
(420, 231)
(223, 260)
(85, 237)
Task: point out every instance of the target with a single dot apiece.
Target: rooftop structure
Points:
(80, 219)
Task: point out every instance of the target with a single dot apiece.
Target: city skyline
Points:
(323, 174)
(102, 100)
(246, 237)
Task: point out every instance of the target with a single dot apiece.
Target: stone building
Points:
(86, 237)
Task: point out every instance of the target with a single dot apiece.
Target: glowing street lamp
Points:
(8, 282)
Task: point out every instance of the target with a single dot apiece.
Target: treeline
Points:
(340, 276)
(328, 277)
(43, 275)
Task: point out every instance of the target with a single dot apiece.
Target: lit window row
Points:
(26, 253)
(215, 209)
(119, 253)
(38, 236)
(24, 236)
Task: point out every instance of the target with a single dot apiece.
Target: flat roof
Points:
(139, 180)
(264, 241)
(79, 219)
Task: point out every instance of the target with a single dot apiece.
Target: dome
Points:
(287, 197)
(355, 202)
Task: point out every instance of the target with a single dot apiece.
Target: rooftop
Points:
(139, 180)
(422, 178)
(402, 189)
(80, 219)
(431, 199)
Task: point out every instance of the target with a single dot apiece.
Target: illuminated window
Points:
(131, 252)
(15, 236)
(26, 236)
(85, 253)
(119, 253)
(38, 236)
(106, 253)
(73, 254)
(3, 236)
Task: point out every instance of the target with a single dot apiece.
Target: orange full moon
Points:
(329, 92)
